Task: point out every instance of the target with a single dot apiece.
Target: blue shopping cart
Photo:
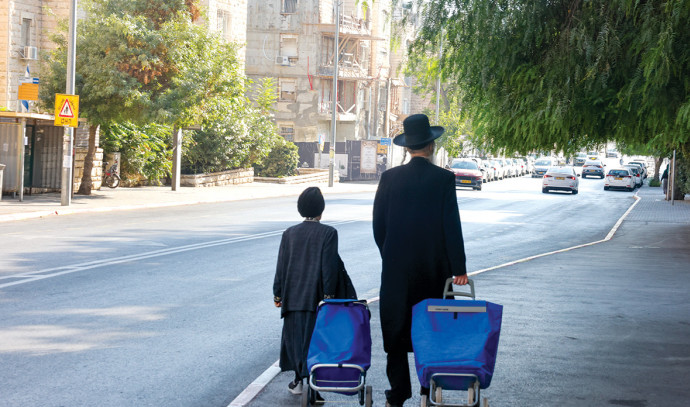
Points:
(340, 351)
(455, 344)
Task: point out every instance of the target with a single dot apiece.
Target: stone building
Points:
(292, 41)
(229, 18)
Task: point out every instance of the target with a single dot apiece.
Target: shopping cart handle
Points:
(448, 289)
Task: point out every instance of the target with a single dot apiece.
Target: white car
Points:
(636, 174)
(619, 178)
(560, 179)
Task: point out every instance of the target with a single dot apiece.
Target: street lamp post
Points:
(68, 137)
(334, 97)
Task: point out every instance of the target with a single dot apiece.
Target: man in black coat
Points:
(417, 230)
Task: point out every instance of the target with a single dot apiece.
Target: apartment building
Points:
(292, 41)
(229, 18)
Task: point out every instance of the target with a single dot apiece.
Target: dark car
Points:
(467, 174)
(580, 159)
(593, 168)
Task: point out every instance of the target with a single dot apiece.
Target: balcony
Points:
(344, 115)
(351, 26)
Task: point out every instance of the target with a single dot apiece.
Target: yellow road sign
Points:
(66, 110)
(27, 91)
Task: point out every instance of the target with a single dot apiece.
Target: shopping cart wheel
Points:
(425, 401)
(368, 396)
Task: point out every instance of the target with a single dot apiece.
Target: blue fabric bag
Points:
(455, 336)
(342, 335)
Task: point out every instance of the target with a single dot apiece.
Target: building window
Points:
(224, 24)
(287, 90)
(289, 6)
(287, 130)
(26, 32)
(288, 46)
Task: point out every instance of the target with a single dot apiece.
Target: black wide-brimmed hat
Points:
(418, 132)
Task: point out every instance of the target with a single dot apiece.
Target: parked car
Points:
(637, 174)
(507, 168)
(560, 179)
(642, 165)
(593, 167)
(542, 165)
(619, 178)
(489, 170)
(467, 173)
(486, 177)
(500, 169)
(521, 166)
(579, 159)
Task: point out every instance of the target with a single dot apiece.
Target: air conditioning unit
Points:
(280, 60)
(30, 52)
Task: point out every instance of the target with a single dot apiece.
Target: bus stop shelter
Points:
(31, 150)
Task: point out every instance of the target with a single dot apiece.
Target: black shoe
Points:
(295, 387)
(388, 403)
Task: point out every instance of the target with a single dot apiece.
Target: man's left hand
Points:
(460, 280)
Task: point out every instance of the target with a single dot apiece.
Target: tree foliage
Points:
(564, 74)
(148, 61)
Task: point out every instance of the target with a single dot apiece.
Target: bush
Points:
(654, 183)
(282, 161)
(144, 150)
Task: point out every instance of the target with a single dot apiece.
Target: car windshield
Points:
(579, 155)
(464, 165)
(618, 173)
(633, 169)
(591, 162)
(543, 162)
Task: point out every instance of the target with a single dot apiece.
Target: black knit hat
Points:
(310, 203)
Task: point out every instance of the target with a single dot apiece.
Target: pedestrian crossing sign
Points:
(66, 110)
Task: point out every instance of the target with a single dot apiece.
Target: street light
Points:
(68, 137)
(334, 96)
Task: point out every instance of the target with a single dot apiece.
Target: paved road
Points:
(172, 306)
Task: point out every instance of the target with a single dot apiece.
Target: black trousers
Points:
(398, 372)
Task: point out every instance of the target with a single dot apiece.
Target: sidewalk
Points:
(106, 200)
(600, 325)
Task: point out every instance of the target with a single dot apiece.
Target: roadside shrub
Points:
(282, 161)
(145, 151)
(654, 183)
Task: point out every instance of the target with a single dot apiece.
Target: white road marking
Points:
(28, 277)
(254, 388)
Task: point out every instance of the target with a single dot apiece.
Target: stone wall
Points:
(304, 176)
(96, 172)
(214, 179)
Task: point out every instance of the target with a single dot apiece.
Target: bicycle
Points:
(110, 177)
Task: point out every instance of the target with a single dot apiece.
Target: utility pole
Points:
(68, 137)
(334, 96)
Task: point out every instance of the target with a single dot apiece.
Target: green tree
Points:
(147, 61)
(565, 74)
